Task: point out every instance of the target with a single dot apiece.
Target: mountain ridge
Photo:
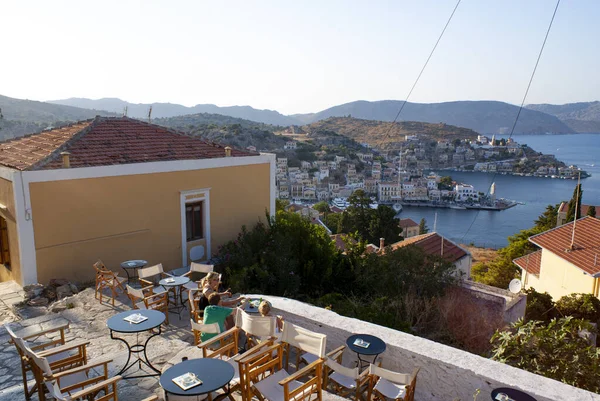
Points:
(580, 116)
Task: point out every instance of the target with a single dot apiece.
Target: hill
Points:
(235, 132)
(165, 110)
(385, 135)
(581, 117)
(22, 117)
(486, 117)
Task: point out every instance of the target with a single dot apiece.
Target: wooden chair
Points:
(197, 302)
(107, 279)
(385, 384)
(60, 355)
(145, 298)
(199, 328)
(150, 276)
(346, 382)
(257, 328)
(196, 268)
(281, 386)
(74, 383)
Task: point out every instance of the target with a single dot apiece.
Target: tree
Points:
(445, 183)
(384, 224)
(580, 306)
(592, 211)
(575, 203)
(547, 220)
(557, 350)
(281, 204)
(322, 207)
(359, 213)
(540, 306)
(423, 229)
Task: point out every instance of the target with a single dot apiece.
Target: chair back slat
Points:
(260, 326)
(150, 271)
(201, 268)
(336, 367)
(394, 377)
(306, 340)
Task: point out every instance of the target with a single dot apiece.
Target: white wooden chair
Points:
(280, 385)
(385, 384)
(150, 276)
(196, 268)
(257, 328)
(144, 298)
(346, 382)
(198, 328)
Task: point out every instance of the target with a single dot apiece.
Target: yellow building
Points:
(565, 263)
(120, 189)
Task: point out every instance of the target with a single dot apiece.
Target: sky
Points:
(297, 56)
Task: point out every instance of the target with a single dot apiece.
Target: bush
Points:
(540, 306)
(580, 306)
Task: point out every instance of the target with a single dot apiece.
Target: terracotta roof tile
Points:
(431, 244)
(585, 253)
(107, 141)
(531, 262)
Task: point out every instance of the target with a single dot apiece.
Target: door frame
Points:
(192, 196)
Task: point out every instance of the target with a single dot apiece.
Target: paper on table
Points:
(135, 318)
(187, 381)
(359, 342)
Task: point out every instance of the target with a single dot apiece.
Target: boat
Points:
(458, 207)
(397, 207)
(373, 205)
(340, 203)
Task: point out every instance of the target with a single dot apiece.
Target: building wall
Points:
(559, 277)
(126, 217)
(7, 199)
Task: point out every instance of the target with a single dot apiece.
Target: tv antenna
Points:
(150, 115)
(125, 111)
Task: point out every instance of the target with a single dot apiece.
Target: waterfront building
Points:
(567, 261)
(409, 228)
(466, 192)
(389, 191)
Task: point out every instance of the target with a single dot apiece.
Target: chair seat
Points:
(309, 358)
(74, 378)
(140, 305)
(158, 289)
(389, 389)
(60, 355)
(343, 380)
(270, 388)
(236, 368)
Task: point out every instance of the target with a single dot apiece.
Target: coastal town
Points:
(403, 176)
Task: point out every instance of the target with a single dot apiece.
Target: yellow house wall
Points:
(560, 278)
(118, 218)
(7, 198)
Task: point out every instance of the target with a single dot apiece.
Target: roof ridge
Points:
(559, 227)
(44, 130)
(55, 154)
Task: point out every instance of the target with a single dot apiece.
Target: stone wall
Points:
(446, 373)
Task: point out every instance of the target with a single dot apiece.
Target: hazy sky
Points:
(297, 56)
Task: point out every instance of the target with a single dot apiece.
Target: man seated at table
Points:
(215, 312)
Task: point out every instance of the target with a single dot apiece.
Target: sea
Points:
(491, 229)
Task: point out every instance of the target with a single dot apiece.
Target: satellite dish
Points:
(515, 286)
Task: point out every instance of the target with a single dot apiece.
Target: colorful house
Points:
(567, 262)
(119, 189)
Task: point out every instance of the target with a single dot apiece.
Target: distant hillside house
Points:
(434, 244)
(409, 228)
(117, 189)
(562, 266)
(563, 209)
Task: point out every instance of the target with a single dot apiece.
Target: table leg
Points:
(137, 348)
(365, 363)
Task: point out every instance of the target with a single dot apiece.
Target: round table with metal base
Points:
(510, 394)
(133, 265)
(376, 346)
(214, 373)
(176, 282)
(119, 325)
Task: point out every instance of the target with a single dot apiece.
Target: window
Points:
(4, 251)
(194, 221)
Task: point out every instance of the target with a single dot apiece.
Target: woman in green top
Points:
(215, 313)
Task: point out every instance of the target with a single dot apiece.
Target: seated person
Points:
(265, 308)
(215, 312)
(210, 285)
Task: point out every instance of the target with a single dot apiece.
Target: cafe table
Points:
(214, 374)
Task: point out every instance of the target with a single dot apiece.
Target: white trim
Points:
(7, 173)
(143, 168)
(273, 185)
(27, 252)
(206, 210)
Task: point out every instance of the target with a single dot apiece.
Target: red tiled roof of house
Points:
(431, 244)
(586, 247)
(564, 208)
(340, 239)
(335, 209)
(106, 141)
(405, 223)
(531, 262)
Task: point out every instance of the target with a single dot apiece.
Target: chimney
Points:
(66, 161)
(227, 151)
(381, 243)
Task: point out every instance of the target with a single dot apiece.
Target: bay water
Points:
(491, 228)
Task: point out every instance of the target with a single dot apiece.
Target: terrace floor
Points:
(87, 321)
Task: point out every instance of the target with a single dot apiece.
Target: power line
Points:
(522, 104)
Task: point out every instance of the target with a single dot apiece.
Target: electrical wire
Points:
(522, 104)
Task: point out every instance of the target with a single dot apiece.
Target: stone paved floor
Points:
(87, 321)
